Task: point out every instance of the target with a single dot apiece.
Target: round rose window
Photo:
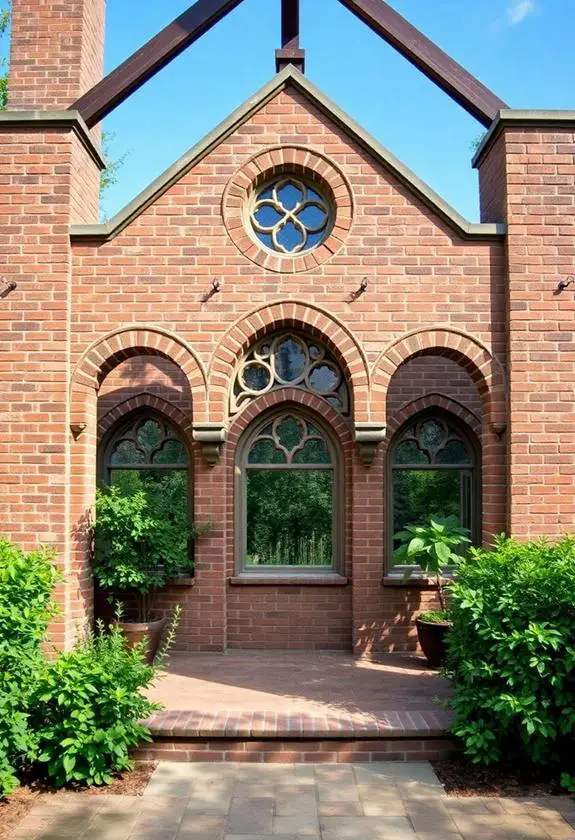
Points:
(289, 216)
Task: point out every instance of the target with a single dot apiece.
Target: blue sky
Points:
(521, 49)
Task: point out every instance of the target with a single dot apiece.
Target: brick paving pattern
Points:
(396, 801)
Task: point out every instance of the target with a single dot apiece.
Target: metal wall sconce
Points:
(368, 436)
(564, 284)
(211, 437)
(7, 287)
(359, 292)
(77, 429)
(216, 288)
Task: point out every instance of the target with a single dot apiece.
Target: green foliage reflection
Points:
(289, 517)
(421, 494)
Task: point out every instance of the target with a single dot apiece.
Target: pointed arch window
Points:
(146, 453)
(433, 471)
(289, 360)
(289, 493)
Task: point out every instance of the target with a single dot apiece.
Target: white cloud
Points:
(519, 10)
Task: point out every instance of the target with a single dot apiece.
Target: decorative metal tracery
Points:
(147, 443)
(431, 442)
(289, 360)
(289, 216)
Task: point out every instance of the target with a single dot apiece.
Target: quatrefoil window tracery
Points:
(289, 360)
(289, 216)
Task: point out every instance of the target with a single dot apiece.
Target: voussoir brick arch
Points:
(435, 400)
(141, 340)
(140, 401)
(296, 315)
(472, 355)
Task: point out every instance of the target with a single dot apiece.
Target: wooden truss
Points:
(450, 76)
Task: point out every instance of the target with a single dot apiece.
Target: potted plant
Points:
(138, 549)
(432, 547)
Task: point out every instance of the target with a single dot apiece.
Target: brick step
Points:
(270, 737)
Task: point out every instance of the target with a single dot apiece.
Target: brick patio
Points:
(291, 802)
(298, 707)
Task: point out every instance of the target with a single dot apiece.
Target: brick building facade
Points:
(458, 322)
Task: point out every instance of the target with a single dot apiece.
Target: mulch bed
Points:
(15, 808)
(461, 778)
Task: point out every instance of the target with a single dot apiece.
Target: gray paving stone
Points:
(366, 828)
(299, 825)
(250, 816)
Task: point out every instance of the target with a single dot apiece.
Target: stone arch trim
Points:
(470, 353)
(110, 350)
(145, 400)
(288, 315)
(276, 161)
(435, 400)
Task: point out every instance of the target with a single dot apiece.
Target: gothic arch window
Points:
(146, 453)
(433, 471)
(293, 360)
(289, 496)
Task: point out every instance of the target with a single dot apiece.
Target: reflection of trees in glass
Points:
(419, 494)
(289, 517)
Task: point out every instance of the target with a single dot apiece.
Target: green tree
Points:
(4, 21)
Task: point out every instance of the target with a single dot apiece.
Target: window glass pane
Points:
(126, 452)
(431, 434)
(265, 452)
(149, 434)
(408, 452)
(290, 195)
(289, 518)
(290, 236)
(167, 494)
(454, 452)
(256, 377)
(313, 452)
(419, 494)
(290, 432)
(267, 216)
(290, 359)
(172, 452)
(324, 378)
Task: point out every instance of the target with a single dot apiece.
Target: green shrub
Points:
(512, 652)
(86, 708)
(26, 584)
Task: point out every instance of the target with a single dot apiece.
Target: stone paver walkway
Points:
(385, 801)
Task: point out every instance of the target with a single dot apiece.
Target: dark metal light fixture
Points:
(7, 287)
(359, 292)
(216, 287)
(564, 284)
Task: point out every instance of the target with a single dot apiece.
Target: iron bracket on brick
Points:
(368, 436)
(77, 429)
(211, 437)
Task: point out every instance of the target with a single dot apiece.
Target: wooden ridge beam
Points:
(290, 52)
(443, 70)
(149, 59)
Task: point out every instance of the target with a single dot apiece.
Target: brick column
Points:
(527, 175)
(56, 52)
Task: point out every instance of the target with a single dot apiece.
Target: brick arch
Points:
(141, 340)
(436, 400)
(145, 400)
(472, 355)
(296, 315)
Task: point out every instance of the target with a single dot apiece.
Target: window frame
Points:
(397, 572)
(240, 487)
(127, 421)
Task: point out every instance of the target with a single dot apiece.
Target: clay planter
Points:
(432, 638)
(149, 631)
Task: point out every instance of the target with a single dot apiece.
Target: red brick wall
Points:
(538, 192)
(145, 374)
(432, 375)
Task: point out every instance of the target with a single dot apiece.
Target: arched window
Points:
(289, 360)
(434, 471)
(145, 452)
(289, 496)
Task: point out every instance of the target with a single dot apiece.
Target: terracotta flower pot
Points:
(148, 631)
(432, 638)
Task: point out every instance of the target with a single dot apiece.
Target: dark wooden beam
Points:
(149, 59)
(290, 52)
(450, 76)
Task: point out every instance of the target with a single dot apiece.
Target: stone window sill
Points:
(182, 581)
(288, 580)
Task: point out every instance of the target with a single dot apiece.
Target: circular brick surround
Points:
(286, 160)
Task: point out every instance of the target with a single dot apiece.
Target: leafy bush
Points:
(86, 707)
(26, 584)
(512, 653)
(431, 547)
(138, 546)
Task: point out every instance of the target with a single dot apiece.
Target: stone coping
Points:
(268, 724)
(252, 579)
(41, 120)
(518, 118)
